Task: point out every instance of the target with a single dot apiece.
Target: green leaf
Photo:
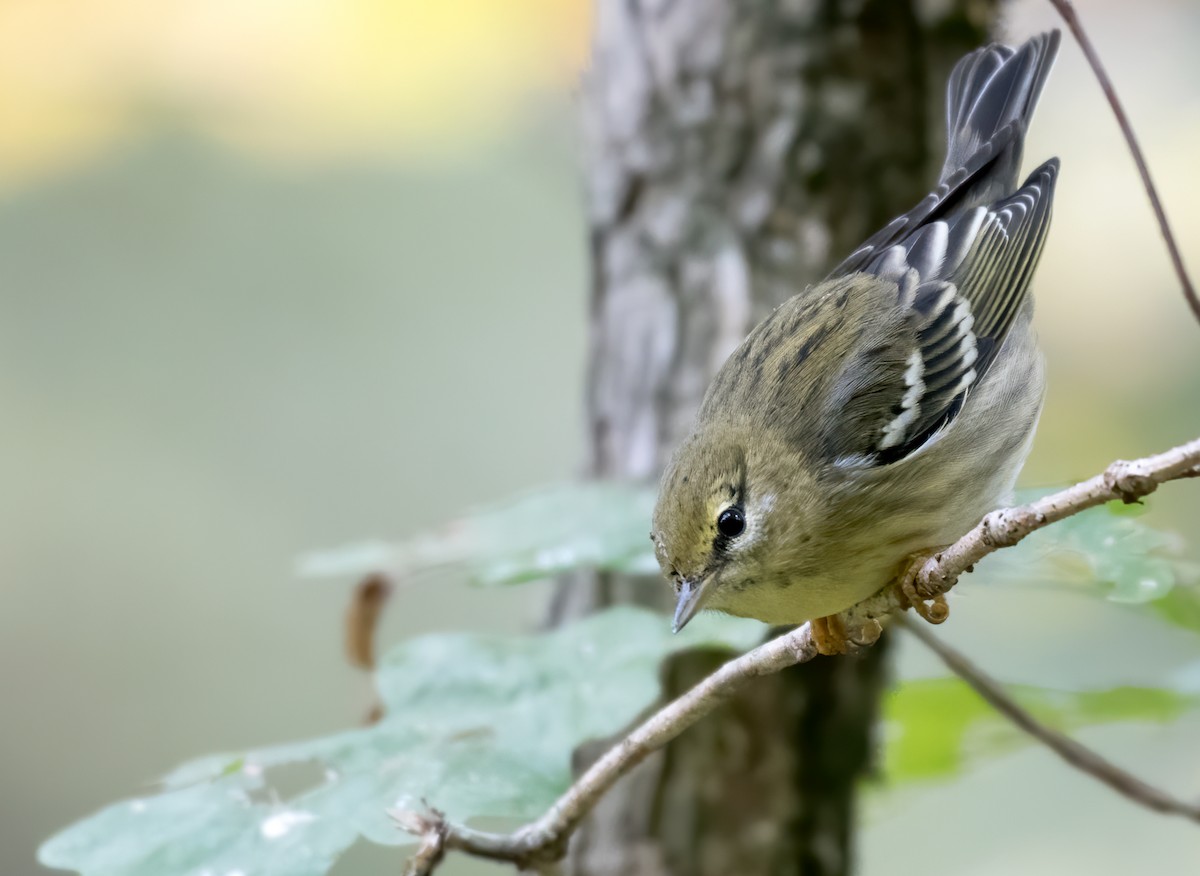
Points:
(1181, 606)
(485, 726)
(477, 725)
(214, 828)
(1109, 552)
(591, 524)
(939, 726)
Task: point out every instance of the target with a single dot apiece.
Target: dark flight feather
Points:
(963, 258)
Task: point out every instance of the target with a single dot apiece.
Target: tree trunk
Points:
(736, 149)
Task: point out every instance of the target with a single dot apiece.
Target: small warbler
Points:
(878, 415)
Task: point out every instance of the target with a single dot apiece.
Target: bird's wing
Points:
(963, 282)
(930, 207)
(990, 100)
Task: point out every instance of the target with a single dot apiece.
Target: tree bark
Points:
(735, 150)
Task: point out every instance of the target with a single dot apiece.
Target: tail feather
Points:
(992, 89)
(990, 100)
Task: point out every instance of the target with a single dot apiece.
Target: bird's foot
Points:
(829, 635)
(932, 608)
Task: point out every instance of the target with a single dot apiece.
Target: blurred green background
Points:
(282, 276)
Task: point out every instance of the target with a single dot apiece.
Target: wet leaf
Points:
(477, 725)
(1109, 552)
(591, 524)
(485, 726)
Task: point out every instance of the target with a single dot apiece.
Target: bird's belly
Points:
(866, 559)
(784, 601)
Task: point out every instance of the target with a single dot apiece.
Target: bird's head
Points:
(719, 533)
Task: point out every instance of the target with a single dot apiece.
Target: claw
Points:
(829, 635)
(934, 609)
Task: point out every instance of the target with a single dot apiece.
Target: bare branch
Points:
(431, 827)
(362, 619)
(1127, 481)
(1067, 10)
(1074, 753)
(544, 840)
(361, 624)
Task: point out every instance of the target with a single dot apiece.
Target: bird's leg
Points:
(934, 610)
(829, 635)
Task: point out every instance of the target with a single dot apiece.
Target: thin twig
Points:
(1074, 753)
(431, 827)
(545, 839)
(1067, 10)
(362, 619)
(1127, 481)
(361, 625)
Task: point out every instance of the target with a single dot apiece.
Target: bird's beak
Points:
(691, 598)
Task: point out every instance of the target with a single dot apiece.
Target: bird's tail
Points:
(990, 99)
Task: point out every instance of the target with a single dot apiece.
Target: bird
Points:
(880, 414)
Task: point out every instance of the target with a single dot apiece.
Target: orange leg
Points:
(934, 610)
(829, 635)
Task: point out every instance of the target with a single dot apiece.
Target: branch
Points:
(1127, 481)
(361, 625)
(545, 839)
(1067, 10)
(431, 828)
(1074, 753)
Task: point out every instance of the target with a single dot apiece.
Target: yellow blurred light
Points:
(295, 78)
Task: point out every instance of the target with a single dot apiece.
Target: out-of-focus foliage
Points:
(476, 725)
(1113, 553)
(1110, 552)
(1181, 606)
(938, 726)
(600, 525)
(485, 726)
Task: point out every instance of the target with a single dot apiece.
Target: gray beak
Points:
(691, 598)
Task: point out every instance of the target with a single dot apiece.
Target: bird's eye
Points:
(731, 522)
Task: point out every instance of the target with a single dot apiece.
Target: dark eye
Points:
(731, 523)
